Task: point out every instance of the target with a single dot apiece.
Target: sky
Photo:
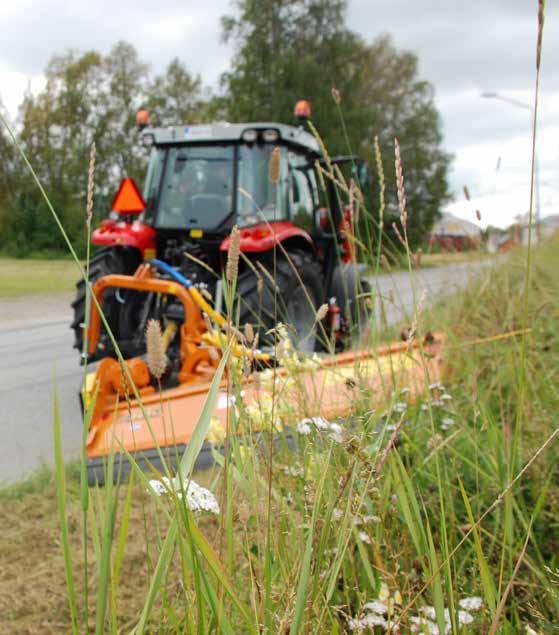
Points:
(465, 48)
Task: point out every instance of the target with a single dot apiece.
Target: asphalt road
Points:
(37, 359)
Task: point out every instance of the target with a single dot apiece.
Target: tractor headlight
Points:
(270, 136)
(148, 140)
(250, 136)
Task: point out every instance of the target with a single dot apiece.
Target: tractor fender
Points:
(120, 233)
(264, 236)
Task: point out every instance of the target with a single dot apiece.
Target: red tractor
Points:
(201, 181)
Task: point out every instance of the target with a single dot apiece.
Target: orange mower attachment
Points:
(163, 423)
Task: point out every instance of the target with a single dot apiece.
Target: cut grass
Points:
(24, 277)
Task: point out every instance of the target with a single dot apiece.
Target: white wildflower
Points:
(198, 498)
(364, 537)
(471, 604)
(437, 403)
(291, 470)
(377, 607)
(336, 432)
(337, 514)
(465, 618)
(400, 406)
(429, 612)
(424, 407)
(436, 386)
(303, 427)
(370, 518)
(447, 422)
(530, 630)
(160, 487)
(369, 621)
(320, 423)
(419, 624)
(446, 397)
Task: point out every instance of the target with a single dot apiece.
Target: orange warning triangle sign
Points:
(128, 199)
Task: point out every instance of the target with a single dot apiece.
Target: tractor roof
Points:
(229, 132)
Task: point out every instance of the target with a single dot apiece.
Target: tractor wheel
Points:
(119, 260)
(351, 291)
(263, 303)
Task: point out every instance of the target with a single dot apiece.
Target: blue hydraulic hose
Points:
(160, 264)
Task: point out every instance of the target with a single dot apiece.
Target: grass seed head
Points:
(274, 165)
(90, 184)
(233, 257)
(541, 19)
(336, 96)
(157, 359)
(380, 171)
(400, 183)
(322, 312)
(249, 333)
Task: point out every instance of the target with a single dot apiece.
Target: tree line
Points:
(284, 50)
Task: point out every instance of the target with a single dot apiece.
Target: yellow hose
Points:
(207, 308)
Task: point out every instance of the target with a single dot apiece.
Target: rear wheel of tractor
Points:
(292, 300)
(353, 295)
(112, 260)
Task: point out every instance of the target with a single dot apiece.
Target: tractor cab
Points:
(201, 181)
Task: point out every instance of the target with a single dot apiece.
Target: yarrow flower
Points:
(447, 422)
(337, 514)
(198, 498)
(334, 430)
(426, 622)
(364, 537)
(376, 606)
(471, 604)
(303, 427)
(369, 621)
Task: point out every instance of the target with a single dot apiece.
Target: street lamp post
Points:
(525, 106)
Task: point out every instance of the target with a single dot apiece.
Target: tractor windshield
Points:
(197, 186)
(192, 186)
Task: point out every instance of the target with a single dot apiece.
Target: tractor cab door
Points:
(303, 192)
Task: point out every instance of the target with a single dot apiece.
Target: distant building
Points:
(548, 226)
(451, 233)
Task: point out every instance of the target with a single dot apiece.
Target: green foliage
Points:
(87, 98)
(301, 49)
(282, 49)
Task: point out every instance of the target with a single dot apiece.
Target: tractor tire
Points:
(110, 260)
(351, 291)
(264, 304)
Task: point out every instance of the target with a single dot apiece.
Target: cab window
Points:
(302, 192)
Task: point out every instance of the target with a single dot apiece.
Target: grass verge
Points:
(416, 538)
(21, 276)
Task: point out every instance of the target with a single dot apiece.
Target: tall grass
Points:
(428, 515)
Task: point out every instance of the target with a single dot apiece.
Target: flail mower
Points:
(163, 255)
